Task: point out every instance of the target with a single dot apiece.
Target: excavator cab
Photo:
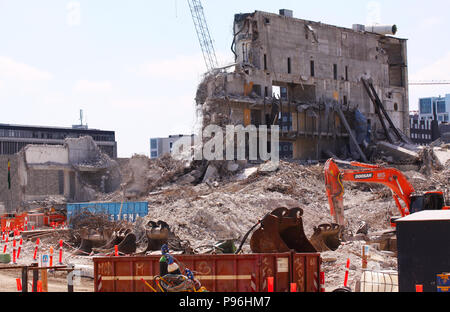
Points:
(427, 201)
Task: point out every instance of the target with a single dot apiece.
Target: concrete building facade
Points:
(161, 146)
(294, 73)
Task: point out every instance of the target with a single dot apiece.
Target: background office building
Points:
(161, 146)
(435, 108)
(14, 137)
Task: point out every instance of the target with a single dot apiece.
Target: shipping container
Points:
(218, 273)
(128, 211)
(423, 240)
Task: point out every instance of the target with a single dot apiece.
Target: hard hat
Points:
(165, 249)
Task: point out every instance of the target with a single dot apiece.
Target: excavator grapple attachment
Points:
(326, 237)
(281, 231)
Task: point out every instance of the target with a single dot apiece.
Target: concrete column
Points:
(67, 183)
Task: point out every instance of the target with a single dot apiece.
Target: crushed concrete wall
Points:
(77, 171)
(46, 155)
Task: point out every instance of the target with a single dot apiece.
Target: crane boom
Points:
(430, 83)
(204, 37)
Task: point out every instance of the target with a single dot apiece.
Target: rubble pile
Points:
(225, 208)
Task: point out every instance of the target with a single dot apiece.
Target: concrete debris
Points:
(397, 152)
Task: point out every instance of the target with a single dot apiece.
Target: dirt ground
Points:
(57, 282)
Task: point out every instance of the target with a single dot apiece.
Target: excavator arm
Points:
(390, 177)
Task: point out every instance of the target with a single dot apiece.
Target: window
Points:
(154, 154)
(265, 61)
(446, 118)
(266, 91)
(335, 72)
(425, 106)
(283, 93)
(153, 144)
(440, 107)
(346, 73)
(312, 68)
(289, 65)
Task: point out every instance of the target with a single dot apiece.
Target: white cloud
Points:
(88, 86)
(13, 70)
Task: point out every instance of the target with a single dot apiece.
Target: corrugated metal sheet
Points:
(130, 210)
(218, 273)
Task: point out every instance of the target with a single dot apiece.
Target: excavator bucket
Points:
(157, 235)
(326, 237)
(281, 231)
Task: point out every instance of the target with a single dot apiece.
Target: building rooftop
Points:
(312, 23)
(49, 128)
(428, 215)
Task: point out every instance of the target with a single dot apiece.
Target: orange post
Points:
(60, 251)
(36, 250)
(293, 287)
(14, 251)
(419, 288)
(6, 242)
(270, 284)
(347, 267)
(51, 256)
(116, 250)
(19, 284)
(322, 281)
(20, 247)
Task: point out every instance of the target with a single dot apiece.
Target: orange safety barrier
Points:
(9, 222)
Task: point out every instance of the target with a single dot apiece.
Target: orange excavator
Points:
(282, 230)
(405, 197)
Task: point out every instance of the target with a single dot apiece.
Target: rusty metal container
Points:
(218, 273)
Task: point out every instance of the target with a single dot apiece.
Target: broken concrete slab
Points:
(210, 174)
(397, 152)
(247, 173)
(442, 155)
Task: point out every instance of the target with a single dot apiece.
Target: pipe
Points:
(382, 29)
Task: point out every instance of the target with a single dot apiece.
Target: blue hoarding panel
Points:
(130, 210)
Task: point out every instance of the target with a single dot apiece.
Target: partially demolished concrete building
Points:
(316, 72)
(75, 171)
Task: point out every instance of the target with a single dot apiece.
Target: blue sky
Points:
(134, 66)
